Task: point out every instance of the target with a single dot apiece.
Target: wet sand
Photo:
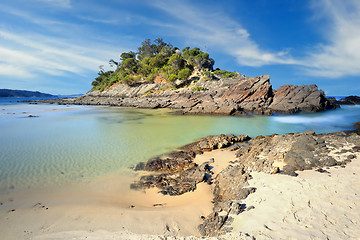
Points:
(105, 205)
(313, 205)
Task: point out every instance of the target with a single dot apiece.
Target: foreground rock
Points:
(176, 173)
(222, 96)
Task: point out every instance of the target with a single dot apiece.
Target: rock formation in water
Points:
(350, 100)
(235, 96)
(176, 173)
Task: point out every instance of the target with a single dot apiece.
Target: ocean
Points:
(60, 145)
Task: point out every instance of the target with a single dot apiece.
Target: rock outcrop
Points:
(176, 173)
(221, 96)
(291, 99)
(350, 100)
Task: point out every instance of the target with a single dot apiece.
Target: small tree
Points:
(176, 61)
(184, 74)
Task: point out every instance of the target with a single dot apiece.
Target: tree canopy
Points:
(154, 59)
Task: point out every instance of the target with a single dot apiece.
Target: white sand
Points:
(311, 206)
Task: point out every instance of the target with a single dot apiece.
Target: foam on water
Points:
(310, 120)
(342, 118)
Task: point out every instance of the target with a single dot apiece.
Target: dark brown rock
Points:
(292, 99)
(213, 224)
(350, 100)
(238, 96)
(176, 173)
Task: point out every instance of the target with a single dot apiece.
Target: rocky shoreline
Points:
(241, 95)
(177, 173)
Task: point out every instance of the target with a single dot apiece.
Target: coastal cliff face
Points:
(222, 96)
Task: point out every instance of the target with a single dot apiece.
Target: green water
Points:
(69, 144)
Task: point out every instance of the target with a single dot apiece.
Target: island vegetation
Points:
(159, 75)
(158, 62)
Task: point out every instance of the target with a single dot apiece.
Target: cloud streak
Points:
(337, 56)
(72, 38)
(340, 56)
(218, 30)
(34, 56)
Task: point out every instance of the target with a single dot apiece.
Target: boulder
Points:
(292, 99)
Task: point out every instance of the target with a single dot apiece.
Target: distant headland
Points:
(23, 93)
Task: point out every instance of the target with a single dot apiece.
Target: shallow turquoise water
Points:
(67, 144)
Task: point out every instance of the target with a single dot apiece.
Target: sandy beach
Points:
(313, 205)
(106, 204)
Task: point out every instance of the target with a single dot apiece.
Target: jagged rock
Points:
(292, 99)
(252, 94)
(176, 173)
(213, 224)
(238, 96)
(296, 151)
(230, 185)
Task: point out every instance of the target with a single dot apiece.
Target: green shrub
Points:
(173, 77)
(148, 92)
(150, 78)
(226, 74)
(164, 88)
(176, 62)
(198, 89)
(184, 73)
(128, 80)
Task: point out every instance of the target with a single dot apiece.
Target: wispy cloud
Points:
(57, 3)
(49, 46)
(340, 55)
(218, 30)
(337, 56)
(35, 54)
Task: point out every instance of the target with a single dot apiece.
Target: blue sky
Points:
(56, 46)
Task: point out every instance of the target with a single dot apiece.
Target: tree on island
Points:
(157, 59)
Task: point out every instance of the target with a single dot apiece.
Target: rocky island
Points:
(161, 76)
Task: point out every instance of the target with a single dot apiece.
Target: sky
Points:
(57, 46)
